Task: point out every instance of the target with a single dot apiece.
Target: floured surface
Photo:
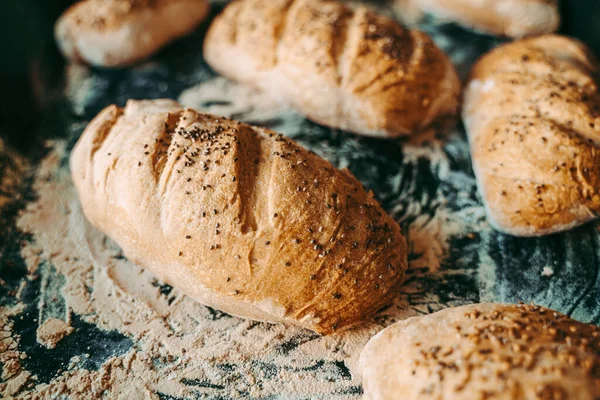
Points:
(13, 170)
(52, 331)
(136, 338)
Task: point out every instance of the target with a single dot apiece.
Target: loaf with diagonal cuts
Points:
(237, 217)
(344, 68)
(531, 110)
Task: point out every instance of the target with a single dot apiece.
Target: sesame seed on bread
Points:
(238, 217)
(484, 351)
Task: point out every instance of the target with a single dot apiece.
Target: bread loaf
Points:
(484, 351)
(512, 18)
(237, 217)
(531, 113)
(347, 69)
(117, 33)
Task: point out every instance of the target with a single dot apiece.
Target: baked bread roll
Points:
(237, 217)
(531, 114)
(512, 18)
(484, 351)
(117, 33)
(347, 69)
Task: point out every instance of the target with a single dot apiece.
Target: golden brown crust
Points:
(238, 217)
(512, 18)
(116, 33)
(531, 112)
(344, 68)
(484, 351)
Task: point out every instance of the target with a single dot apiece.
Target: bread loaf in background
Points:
(531, 110)
(512, 18)
(238, 217)
(484, 351)
(344, 68)
(117, 33)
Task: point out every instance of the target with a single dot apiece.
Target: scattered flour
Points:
(547, 271)
(80, 86)
(12, 169)
(52, 331)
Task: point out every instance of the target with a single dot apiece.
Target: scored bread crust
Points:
(512, 18)
(117, 33)
(238, 217)
(531, 114)
(344, 68)
(484, 351)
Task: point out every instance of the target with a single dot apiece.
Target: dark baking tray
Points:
(477, 265)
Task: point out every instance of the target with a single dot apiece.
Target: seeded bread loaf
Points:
(512, 18)
(237, 217)
(348, 69)
(117, 33)
(484, 351)
(531, 113)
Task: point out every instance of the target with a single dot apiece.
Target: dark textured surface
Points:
(477, 264)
